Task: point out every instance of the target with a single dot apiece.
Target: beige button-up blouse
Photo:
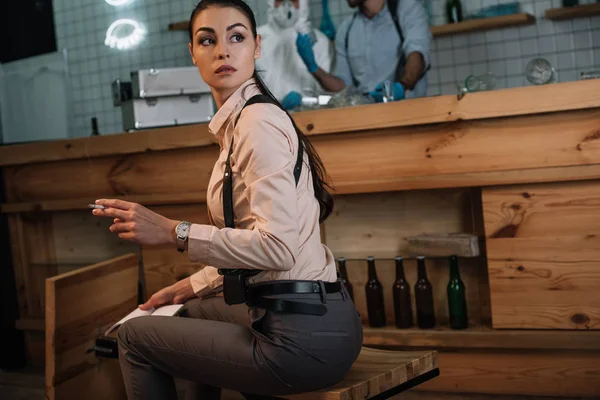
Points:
(276, 222)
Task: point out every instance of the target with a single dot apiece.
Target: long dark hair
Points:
(317, 169)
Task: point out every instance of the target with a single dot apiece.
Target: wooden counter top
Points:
(431, 110)
(512, 136)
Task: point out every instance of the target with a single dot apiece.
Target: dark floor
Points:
(28, 384)
(25, 384)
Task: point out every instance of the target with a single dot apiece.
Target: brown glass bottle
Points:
(344, 276)
(424, 297)
(374, 294)
(401, 290)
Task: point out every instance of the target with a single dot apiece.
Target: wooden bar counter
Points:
(518, 168)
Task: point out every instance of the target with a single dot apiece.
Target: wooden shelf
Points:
(179, 26)
(482, 337)
(557, 14)
(482, 24)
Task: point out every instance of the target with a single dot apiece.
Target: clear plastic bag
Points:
(348, 97)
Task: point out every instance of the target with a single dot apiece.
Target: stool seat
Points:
(379, 374)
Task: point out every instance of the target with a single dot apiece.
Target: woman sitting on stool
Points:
(284, 324)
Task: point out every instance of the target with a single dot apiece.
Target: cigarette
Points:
(96, 206)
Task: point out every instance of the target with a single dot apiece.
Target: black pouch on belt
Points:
(234, 284)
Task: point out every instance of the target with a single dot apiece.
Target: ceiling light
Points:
(124, 34)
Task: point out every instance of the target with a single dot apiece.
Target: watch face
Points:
(183, 230)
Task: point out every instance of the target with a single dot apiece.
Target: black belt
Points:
(255, 295)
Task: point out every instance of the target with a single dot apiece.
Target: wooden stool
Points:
(376, 374)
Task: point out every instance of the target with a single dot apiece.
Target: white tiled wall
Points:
(571, 46)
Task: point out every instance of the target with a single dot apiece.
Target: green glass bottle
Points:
(453, 11)
(457, 303)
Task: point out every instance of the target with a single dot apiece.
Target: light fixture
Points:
(116, 39)
(118, 3)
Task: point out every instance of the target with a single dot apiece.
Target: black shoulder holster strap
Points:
(234, 279)
(227, 176)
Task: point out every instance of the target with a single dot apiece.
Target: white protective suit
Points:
(280, 65)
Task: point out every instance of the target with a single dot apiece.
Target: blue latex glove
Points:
(397, 92)
(291, 100)
(327, 26)
(304, 45)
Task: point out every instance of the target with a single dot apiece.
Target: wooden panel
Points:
(470, 179)
(481, 338)
(146, 140)
(45, 245)
(374, 372)
(182, 170)
(463, 147)
(20, 263)
(577, 310)
(444, 245)
(80, 203)
(543, 255)
(74, 319)
(389, 159)
(482, 24)
(378, 224)
(32, 242)
(549, 210)
(519, 373)
(81, 238)
(440, 181)
(564, 96)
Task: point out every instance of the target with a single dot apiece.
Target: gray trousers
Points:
(221, 346)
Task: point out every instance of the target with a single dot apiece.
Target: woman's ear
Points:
(258, 46)
(191, 53)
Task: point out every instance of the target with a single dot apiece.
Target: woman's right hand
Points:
(178, 293)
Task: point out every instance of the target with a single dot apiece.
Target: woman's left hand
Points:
(136, 223)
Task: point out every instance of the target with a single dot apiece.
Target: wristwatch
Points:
(182, 231)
